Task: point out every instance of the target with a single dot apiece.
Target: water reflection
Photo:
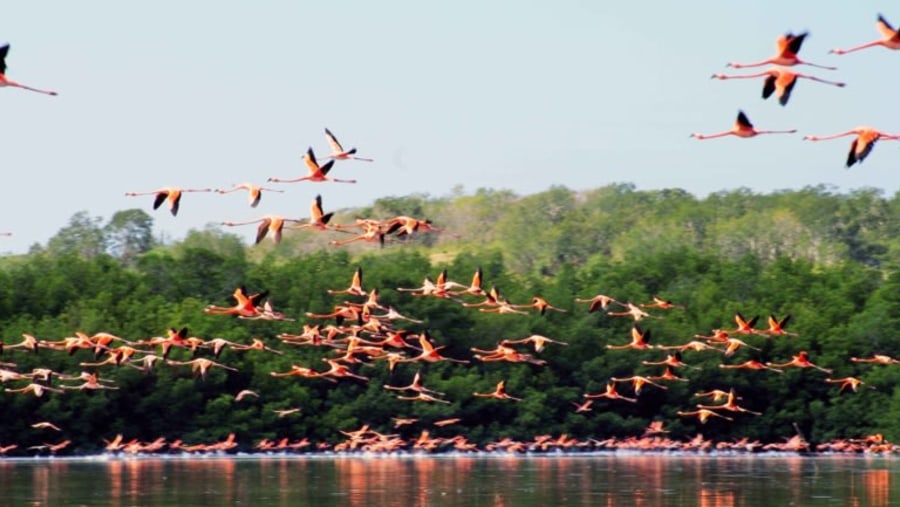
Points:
(499, 481)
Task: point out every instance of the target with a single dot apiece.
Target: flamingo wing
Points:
(263, 229)
(159, 199)
(333, 142)
(884, 27)
(786, 91)
(4, 50)
(793, 42)
(768, 87)
(742, 121)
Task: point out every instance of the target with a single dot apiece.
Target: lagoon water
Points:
(613, 479)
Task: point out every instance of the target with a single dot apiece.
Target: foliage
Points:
(827, 260)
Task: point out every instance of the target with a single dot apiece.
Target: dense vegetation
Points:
(829, 260)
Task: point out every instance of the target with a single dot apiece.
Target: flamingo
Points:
(539, 342)
(876, 359)
(254, 191)
(742, 128)
(780, 80)
(787, 45)
(610, 393)
(851, 383)
(801, 360)
(541, 305)
(5, 81)
(640, 340)
(750, 364)
(423, 397)
(777, 326)
(655, 428)
(201, 366)
(600, 301)
(631, 310)
(474, 288)
(703, 415)
(866, 137)
(316, 173)
(406, 226)
(415, 386)
(46, 425)
(890, 38)
(583, 407)
(373, 233)
(36, 389)
(245, 304)
(269, 225)
(172, 195)
(245, 393)
(318, 219)
(355, 287)
(744, 326)
(498, 393)
(338, 152)
(729, 405)
(638, 382)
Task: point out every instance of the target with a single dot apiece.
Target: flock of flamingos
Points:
(364, 330)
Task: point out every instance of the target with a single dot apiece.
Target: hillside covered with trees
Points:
(829, 260)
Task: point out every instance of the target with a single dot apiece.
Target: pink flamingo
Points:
(778, 80)
(890, 38)
(788, 45)
(5, 81)
(742, 128)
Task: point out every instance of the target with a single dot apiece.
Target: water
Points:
(615, 479)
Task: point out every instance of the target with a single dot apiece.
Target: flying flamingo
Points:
(318, 219)
(876, 359)
(245, 304)
(729, 405)
(703, 415)
(316, 173)
(5, 81)
(541, 305)
(499, 393)
(610, 393)
(539, 342)
(742, 128)
(171, 195)
(406, 226)
(269, 225)
(46, 425)
(640, 340)
(355, 287)
(777, 326)
(638, 382)
(866, 137)
(600, 301)
(851, 383)
(415, 386)
(780, 80)
(254, 191)
(801, 360)
(36, 389)
(750, 364)
(666, 304)
(890, 38)
(788, 45)
(338, 152)
(423, 397)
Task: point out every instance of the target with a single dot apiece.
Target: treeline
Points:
(826, 259)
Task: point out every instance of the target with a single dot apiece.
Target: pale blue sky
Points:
(500, 94)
